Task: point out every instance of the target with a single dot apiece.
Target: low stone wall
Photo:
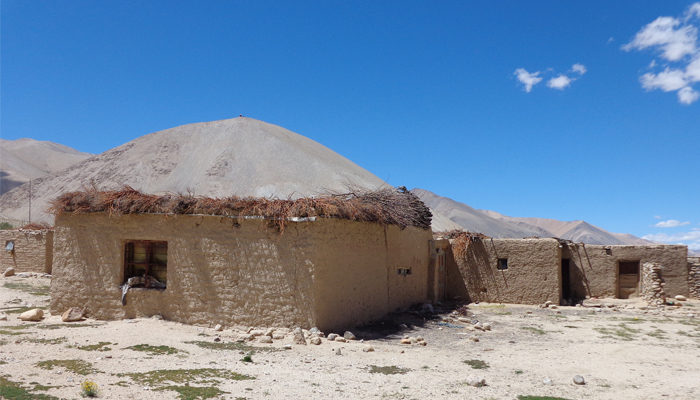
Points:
(694, 277)
(653, 284)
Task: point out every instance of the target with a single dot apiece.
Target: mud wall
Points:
(596, 267)
(532, 276)
(326, 273)
(33, 250)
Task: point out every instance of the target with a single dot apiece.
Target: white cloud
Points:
(528, 79)
(560, 82)
(657, 216)
(676, 39)
(693, 236)
(580, 68)
(668, 80)
(671, 223)
(687, 95)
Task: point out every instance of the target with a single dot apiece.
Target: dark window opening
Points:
(146, 263)
(502, 263)
(403, 271)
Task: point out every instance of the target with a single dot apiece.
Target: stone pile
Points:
(694, 277)
(653, 284)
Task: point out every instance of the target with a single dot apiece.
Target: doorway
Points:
(628, 279)
(566, 279)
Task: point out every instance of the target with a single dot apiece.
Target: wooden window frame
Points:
(130, 266)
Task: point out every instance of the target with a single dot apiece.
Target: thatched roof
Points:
(385, 206)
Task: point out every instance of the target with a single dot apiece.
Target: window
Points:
(146, 263)
(403, 271)
(502, 263)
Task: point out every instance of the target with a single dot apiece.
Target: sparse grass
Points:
(79, 367)
(533, 329)
(45, 341)
(540, 398)
(27, 288)
(518, 372)
(200, 376)
(233, 346)
(195, 392)
(388, 370)
(477, 364)
(489, 306)
(571, 326)
(657, 333)
(248, 359)
(121, 384)
(622, 332)
(14, 330)
(101, 346)
(155, 350)
(630, 320)
(14, 391)
(68, 325)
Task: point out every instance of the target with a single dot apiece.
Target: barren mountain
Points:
(469, 218)
(25, 159)
(492, 223)
(239, 156)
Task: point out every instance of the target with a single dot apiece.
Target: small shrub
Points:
(5, 225)
(248, 358)
(89, 389)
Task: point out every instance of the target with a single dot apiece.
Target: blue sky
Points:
(553, 109)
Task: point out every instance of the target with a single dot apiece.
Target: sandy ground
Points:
(630, 353)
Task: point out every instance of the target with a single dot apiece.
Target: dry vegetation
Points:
(384, 206)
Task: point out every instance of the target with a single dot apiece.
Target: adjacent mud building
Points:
(26, 250)
(535, 270)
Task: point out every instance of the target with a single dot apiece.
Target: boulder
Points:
(579, 380)
(315, 340)
(32, 315)
(349, 335)
(265, 339)
(299, 336)
(9, 272)
(680, 297)
(72, 314)
(332, 336)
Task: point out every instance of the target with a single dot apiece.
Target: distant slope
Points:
(471, 219)
(240, 156)
(491, 223)
(25, 159)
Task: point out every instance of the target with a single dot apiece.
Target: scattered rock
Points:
(340, 339)
(338, 352)
(423, 343)
(547, 381)
(32, 315)
(420, 338)
(157, 317)
(465, 320)
(349, 336)
(332, 336)
(487, 326)
(476, 381)
(270, 332)
(265, 339)
(474, 338)
(315, 340)
(9, 272)
(218, 328)
(367, 348)
(680, 297)
(314, 330)
(403, 326)
(24, 275)
(277, 336)
(405, 341)
(579, 380)
(259, 332)
(412, 340)
(72, 314)
(3, 317)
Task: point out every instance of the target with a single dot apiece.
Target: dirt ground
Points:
(622, 351)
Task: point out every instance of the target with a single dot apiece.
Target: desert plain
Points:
(622, 348)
